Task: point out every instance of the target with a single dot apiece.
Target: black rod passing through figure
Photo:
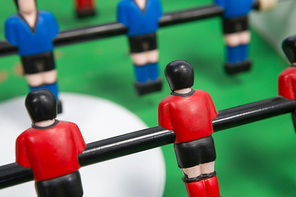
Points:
(114, 29)
(13, 174)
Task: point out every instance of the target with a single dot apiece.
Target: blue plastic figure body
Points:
(28, 39)
(236, 31)
(33, 31)
(235, 8)
(141, 18)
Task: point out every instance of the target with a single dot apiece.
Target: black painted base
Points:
(232, 69)
(85, 13)
(142, 89)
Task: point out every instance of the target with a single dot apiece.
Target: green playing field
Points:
(257, 159)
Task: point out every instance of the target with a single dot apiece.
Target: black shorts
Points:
(142, 43)
(67, 186)
(236, 24)
(195, 152)
(38, 63)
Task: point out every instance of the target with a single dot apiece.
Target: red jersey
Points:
(287, 83)
(189, 116)
(50, 152)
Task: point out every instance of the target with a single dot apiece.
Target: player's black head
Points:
(289, 47)
(41, 105)
(17, 6)
(179, 75)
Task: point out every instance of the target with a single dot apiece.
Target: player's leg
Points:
(245, 38)
(140, 62)
(197, 159)
(67, 185)
(204, 183)
(232, 47)
(237, 38)
(153, 68)
(40, 73)
(144, 55)
(46, 80)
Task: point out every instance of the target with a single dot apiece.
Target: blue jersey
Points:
(139, 22)
(29, 40)
(234, 8)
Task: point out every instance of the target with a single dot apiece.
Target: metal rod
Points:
(114, 29)
(13, 174)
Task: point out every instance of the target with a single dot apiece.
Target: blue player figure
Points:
(33, 31)
(141, 18)
(236, 31)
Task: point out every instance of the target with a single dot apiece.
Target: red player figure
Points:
(287, 79)
(84, 8)
(50, 148)
(189, 113)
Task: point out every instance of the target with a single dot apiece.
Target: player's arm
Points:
(10, 32)
(21, 153)
(158, 9)
(122, 13)
(54, 26)
(164, 116)
(220, 3)
(211, 106)
(79, 141)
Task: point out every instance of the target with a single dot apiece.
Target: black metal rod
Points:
(194, 14)
(126, 144)
(13, 174)
(252, 112)
(114, 29)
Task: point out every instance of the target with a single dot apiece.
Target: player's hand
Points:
(266, 4)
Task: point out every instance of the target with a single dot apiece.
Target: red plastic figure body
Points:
(189, 113)
(287, 83)
(199, 116)
(287, 79)
(50, 148)
(84, 8)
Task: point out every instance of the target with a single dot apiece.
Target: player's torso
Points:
(234, 8)
(33, 40)
(190, 117)
(52, 152)
(142, 21)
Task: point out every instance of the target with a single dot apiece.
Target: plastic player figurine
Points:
(236, 31)
(33, 31)
(189, 113)
(287, 79)
(84, 8)
(50, 148)
(141, 17)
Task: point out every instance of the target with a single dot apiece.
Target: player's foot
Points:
(149, 87)
(82, 13)
(232, 69)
